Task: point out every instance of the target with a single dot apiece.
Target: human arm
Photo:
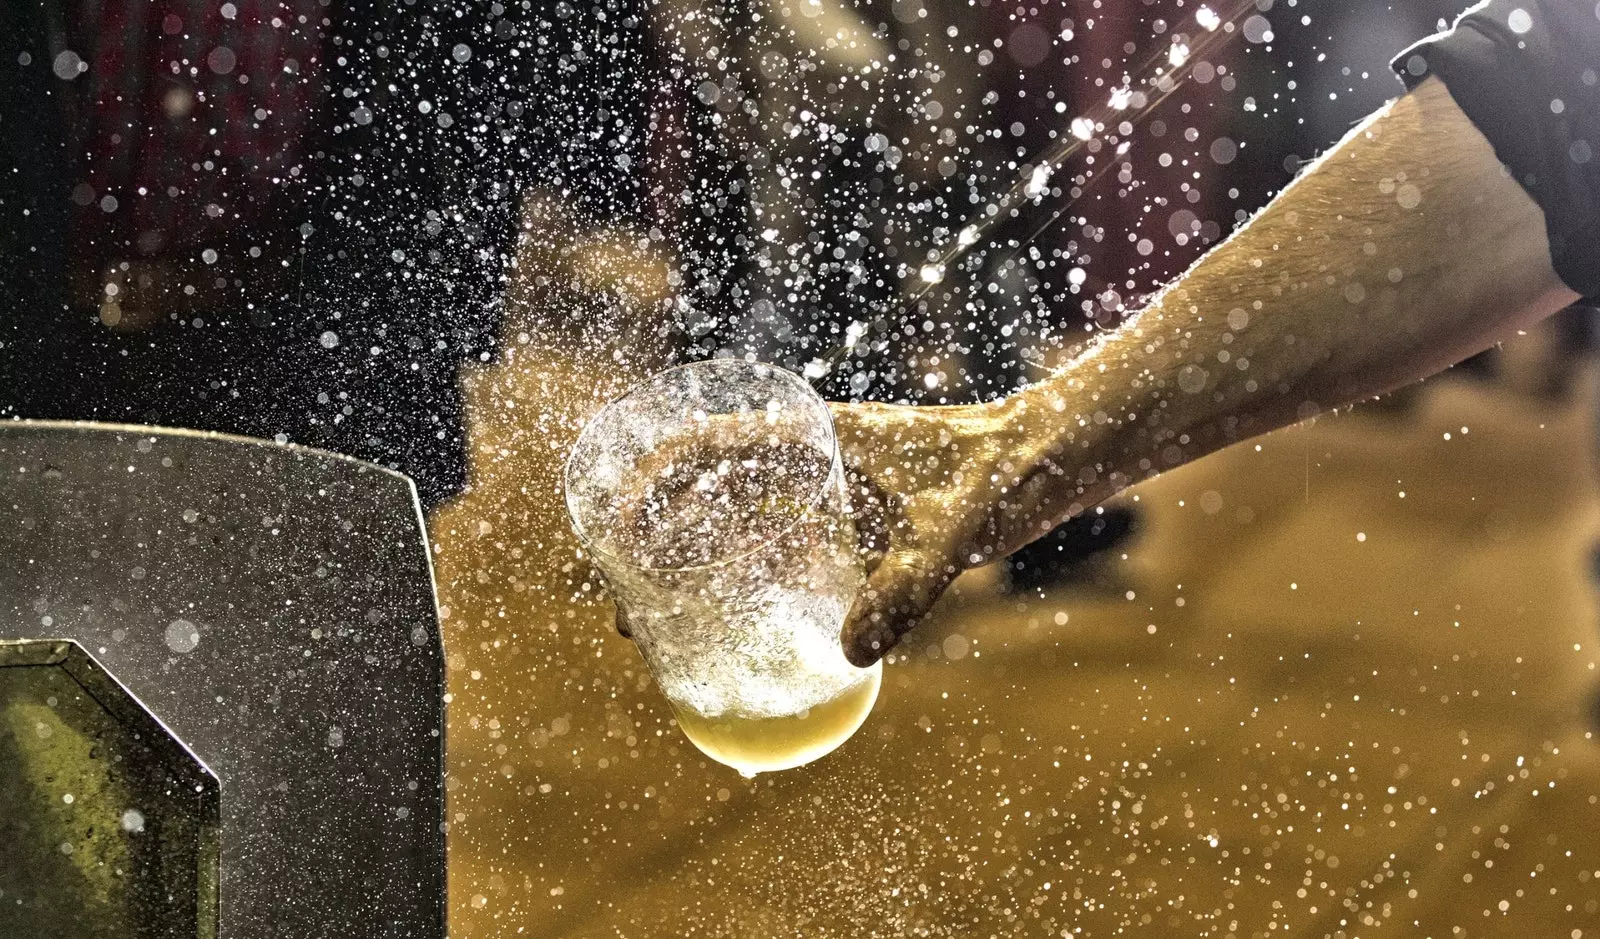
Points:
(1403, 250)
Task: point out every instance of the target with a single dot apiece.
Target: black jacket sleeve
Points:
(1527, 73)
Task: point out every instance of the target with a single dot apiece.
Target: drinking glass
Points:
(712, 498)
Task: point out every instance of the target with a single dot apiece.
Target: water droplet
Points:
(182, 636)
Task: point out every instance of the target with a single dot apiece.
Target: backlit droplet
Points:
(182, 636)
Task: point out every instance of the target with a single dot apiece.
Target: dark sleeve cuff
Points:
(1525, 73)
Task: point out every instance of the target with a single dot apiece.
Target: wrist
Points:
(1066, 456)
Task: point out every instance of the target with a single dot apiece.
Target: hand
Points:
(929, 487)
(937, 491)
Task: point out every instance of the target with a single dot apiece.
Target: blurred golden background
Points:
(1341, 684)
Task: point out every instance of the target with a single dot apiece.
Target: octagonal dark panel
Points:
(110, 824)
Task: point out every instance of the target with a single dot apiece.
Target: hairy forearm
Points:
(1404, 250)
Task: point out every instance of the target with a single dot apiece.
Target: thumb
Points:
(895, 598)
(623, 626)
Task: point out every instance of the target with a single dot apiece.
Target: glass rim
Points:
(820, 492)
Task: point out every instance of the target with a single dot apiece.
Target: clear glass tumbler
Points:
(712, 498)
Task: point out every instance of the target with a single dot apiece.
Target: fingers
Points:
(871, 510)
(899, 458)
(896, 597)
(867, 432)
(873, 507)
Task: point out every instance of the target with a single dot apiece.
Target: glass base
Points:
(754, 745)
